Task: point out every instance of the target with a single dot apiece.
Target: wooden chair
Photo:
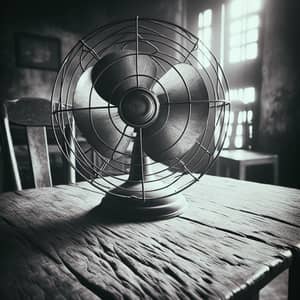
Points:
(33, 114)
(234, 160)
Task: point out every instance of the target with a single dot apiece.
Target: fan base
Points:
(132, 206)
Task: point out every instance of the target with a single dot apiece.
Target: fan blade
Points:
(118, 72)
(94, 119)
(183, 115)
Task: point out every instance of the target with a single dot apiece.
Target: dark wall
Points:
(68, 21)
(279, 129)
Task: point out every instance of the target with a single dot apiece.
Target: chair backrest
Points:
(239, 131)
(34, 114)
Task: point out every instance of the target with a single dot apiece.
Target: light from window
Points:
(246, 95)
(241, 7)
(240, 129)
(252, 36)
(238, 142)
(242, 117)
(250, 131)
(250, 116)
(205, 36)
(253, 21)
(244, 33)
(237, 8)
(236, 27)
(253, 5)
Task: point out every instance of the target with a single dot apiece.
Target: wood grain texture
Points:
(39, 156)
(266, 213)
(55, 244)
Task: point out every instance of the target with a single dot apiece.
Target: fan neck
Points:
(139, 167)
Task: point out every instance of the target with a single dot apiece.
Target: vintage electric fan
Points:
(151, 101)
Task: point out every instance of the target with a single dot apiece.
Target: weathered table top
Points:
(234, 238)
(246, 155)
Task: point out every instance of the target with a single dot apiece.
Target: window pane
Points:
(236, 27)
(237, 8)
(239, 130)
(253, 5)
(252, 35)
(244, 116)
(251, 51)
(238, 142)
(236, 40)
(207, 17)
(244, 32)
(246, 95)
(251, 131)
(250, 116)
(253, 22)
(241, 93)
(249, 95)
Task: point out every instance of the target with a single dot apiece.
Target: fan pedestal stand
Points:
(142, 196)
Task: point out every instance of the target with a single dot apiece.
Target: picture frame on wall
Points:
(36, 51)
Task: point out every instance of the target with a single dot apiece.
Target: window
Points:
(240, 130)
(231, 30)
(245, 95)
(244, 30)
(204, 34)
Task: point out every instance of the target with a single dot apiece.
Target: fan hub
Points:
(139, 108)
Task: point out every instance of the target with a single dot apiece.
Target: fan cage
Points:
(167, 44)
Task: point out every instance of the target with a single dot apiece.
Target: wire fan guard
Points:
(152, 103)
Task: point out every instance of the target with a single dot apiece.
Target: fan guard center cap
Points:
(139, 107)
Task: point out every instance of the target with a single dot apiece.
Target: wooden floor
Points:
(277, 289)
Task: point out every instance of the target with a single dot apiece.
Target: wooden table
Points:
(235, 237)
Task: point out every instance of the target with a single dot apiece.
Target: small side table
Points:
(240, 159)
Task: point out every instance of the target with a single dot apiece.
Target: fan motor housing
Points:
(139, 107)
